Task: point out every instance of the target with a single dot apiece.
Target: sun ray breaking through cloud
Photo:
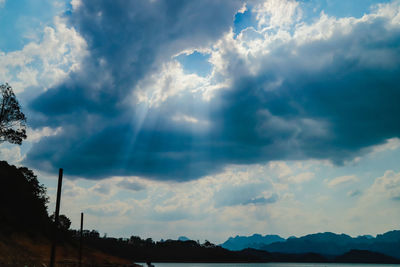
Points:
(204, 117)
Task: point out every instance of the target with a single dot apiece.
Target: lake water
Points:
(269, 265)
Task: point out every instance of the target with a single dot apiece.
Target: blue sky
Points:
(211, 118)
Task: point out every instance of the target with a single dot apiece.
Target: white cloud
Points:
(166, 208)
(12, 154)
(323, 28)
(280, 168)
(277, 13)
(250, 53)
(387, 185)
(169, 82)
(45, 63)
(293, 174)
(389, 10)
(189, 119)
(301, 178)
(342, 180)
(106, 188)
(102, 189)
(185, 118)
(72, 190)
(243, 8)
(76, 4)
(377, 205)
(116, 208)
(37, 134)
(390, 144)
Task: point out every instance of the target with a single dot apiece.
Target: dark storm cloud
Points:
(126, 40)
(336, 97)
(328, 111)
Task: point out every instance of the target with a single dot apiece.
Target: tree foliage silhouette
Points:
(64, 223)
(12, 120)
(23, 201)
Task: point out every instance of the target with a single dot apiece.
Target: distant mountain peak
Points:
(326, 243)
(255, 241)
(329, 243)
(183, 238)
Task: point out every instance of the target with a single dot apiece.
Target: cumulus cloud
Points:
(97, 94)
(326, 90)
(280, 168)
(42, 64)
(381, 198)
(390, 144)
(277, 13)
(388, 185)
(12, 154)
(167, 83)
(34, 135)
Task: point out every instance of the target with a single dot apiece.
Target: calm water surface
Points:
(268, 265)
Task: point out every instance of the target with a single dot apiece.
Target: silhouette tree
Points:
(12, 120)
(38, 190)
(63, 221)
(23, 201)
(208, 244)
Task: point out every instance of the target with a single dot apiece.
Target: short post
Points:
(55, 227)
(81, 241)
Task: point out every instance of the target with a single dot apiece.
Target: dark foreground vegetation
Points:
(25, 234)
(141, 250)
(23, 201)
(26, 227)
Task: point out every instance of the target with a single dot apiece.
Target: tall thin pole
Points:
(55, 227)
(81, 241)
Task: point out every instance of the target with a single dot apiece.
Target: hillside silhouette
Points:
(142, 250)
(255, 241)
(25, 230)
(328, 244)
(337, 244)
(25, 226)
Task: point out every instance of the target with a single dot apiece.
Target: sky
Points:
(212, 118)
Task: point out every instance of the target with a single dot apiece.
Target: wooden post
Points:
(81, 241)
(55, 226)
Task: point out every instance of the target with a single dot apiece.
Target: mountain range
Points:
(255, 241)
(327, 244)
